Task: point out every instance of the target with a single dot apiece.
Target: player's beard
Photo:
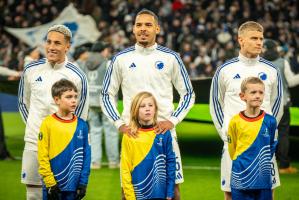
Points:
(144, 43)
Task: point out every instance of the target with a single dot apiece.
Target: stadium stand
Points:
(202, 32)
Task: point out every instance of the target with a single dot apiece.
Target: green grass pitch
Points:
(200, 148)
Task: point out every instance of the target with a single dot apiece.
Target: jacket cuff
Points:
(174, 120)
(119, 123)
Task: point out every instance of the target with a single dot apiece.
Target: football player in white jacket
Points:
(224, 95)
(35, 101)
(152, 68)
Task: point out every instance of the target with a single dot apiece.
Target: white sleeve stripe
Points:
(35, 63)
(184, 73)
(216, 101)
(22, 107)
(108, 75)
(75, 69)
(109, 108)
(107, 80)
(276, 105)
(217, 107)
(79, 108)
(187, 97)
(105, 96)
(107, 102)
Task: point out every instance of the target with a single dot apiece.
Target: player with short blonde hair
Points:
(224, 94)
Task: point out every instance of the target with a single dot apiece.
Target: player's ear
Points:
(240, 40)
(56, 100)
(134, 31)
(158, 29)
(242, 96)
(68, 46)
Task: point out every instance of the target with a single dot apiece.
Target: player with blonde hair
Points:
(224, 94)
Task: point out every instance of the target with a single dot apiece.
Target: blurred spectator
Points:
(11, 74)
(80, 56)
(295, 62)
(4, 153)
(212, 24)
(95, 68)
(31, 54)
(289, 79)
(202, 63)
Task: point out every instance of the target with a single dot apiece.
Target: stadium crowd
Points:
(203, 32)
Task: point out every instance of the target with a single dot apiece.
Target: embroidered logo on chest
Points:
(262, 76)
(159, 65)
(132, 65)
(39, 79)
(237, 76)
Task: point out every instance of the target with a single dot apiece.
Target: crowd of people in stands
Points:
(203, 32)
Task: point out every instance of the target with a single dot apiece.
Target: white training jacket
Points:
(35, 98)
(226, 87)
(155, 69)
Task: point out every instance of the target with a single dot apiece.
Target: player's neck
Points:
(66, 115)
(145, 44)
(57, 64)
(252, 111)
(248, 55)
(146, 122)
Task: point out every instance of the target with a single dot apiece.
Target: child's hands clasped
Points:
(53, 192)
(81, 191)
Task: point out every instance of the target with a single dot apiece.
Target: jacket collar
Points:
(58, 65)
(248, 61)
(145, 50)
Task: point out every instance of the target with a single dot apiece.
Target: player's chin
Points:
(256, 104)
(143, 43)
(258, 52)
(52, 59)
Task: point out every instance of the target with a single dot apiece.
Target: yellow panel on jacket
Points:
(58, 141)
(141, 146)
(241, 135)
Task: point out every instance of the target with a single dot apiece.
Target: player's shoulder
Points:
(123, 53)
(75, 74)
(35, 65)
(48, 119)
(74, 69)
(80, 120)
(127, 139)
(227, 65)
(167, 51)
(235, 118)
(270, 118)
(267, 63)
